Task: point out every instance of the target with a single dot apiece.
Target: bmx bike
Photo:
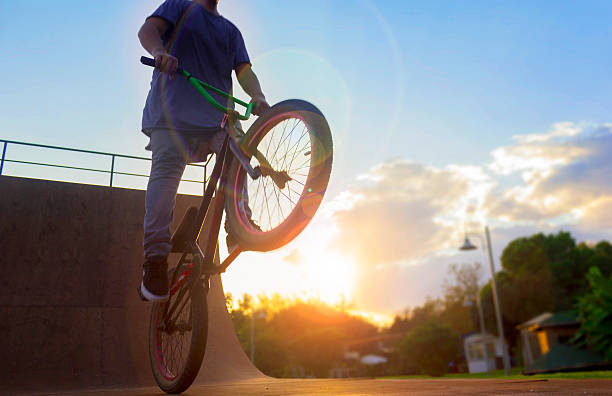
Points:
(270, 180)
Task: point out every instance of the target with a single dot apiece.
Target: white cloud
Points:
(406, 210)
(402, 215)
(563, 174)
(597, 215)
(396, 222)
(560, 129)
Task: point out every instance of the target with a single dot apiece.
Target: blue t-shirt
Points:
(209, 47)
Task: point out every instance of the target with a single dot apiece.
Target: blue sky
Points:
(460, 77)
(442, 85)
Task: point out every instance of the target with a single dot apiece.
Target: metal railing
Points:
(111, 172)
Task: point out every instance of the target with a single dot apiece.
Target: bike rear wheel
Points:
(292, 145)
(177, 343)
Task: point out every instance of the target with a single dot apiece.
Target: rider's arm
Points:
(150, 35)
(250, 84)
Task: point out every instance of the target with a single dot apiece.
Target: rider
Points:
(180, 127)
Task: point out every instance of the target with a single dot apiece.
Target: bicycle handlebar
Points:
(151, 62)
(202, 87)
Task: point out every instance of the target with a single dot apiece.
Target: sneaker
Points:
(154, 286)
(231, 242)
(230, 239)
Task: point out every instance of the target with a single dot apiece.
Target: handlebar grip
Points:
(151, 62)
(147, 61)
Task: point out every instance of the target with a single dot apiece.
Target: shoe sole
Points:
(150, 296)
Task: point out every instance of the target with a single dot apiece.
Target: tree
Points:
(431, 347)
(542, 273)
(271, 355)
(311, 336)
(241, 318)
(462, 284)
(525, 255)
(411, 318)
(599, 256)
(460, 312)
(556, 259)
(294, 333)
(595, 312)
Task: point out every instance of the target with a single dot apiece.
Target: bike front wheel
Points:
(291, 144)
(177, 340)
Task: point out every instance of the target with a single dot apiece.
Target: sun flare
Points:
(330, 275)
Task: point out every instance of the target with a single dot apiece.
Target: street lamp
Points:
(467, 245)
(261, 314)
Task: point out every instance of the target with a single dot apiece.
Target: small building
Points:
(547, 347)
(541, 333)
(475, 345)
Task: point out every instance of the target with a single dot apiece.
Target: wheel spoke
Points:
(305, 131)
(301, 166)
(174, 342)
(283, 138)
(287, 148)
(297, 181)
(290, 200)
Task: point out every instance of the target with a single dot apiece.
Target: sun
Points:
(309, 267)
(330, 275)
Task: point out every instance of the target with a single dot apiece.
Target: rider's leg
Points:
(169, 158)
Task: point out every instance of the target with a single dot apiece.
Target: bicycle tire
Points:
(257, 232)
(177, 379)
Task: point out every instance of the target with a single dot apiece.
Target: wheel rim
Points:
(287, 145)
(172, 345)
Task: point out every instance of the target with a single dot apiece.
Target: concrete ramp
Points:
(70, 317)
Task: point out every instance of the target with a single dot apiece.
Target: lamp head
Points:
(467, 245)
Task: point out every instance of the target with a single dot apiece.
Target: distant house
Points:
(367, 355)
(546, 345)
(475, 345)
(531, 333)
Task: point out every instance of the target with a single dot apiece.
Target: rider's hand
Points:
(165, 62)
(261, 106)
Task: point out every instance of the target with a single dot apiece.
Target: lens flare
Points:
(298, 73)
(395, 109)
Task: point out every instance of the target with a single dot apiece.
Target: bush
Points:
(595, 311)
(431, 347)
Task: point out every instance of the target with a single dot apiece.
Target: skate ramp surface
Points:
(70, 316)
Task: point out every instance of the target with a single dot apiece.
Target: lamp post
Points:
(261, 314)
(253, 336)
(467, 245)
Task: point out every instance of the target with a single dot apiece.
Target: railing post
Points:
(112, 170)
(3, 155)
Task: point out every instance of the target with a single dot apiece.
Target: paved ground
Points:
(270, 387)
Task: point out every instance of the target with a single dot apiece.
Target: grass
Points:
(515, 373)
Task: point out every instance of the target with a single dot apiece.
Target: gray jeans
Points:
(171, 151)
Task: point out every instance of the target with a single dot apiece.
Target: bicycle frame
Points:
(196, 264)
(211, 212)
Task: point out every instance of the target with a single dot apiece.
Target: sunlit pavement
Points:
(377, 387)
